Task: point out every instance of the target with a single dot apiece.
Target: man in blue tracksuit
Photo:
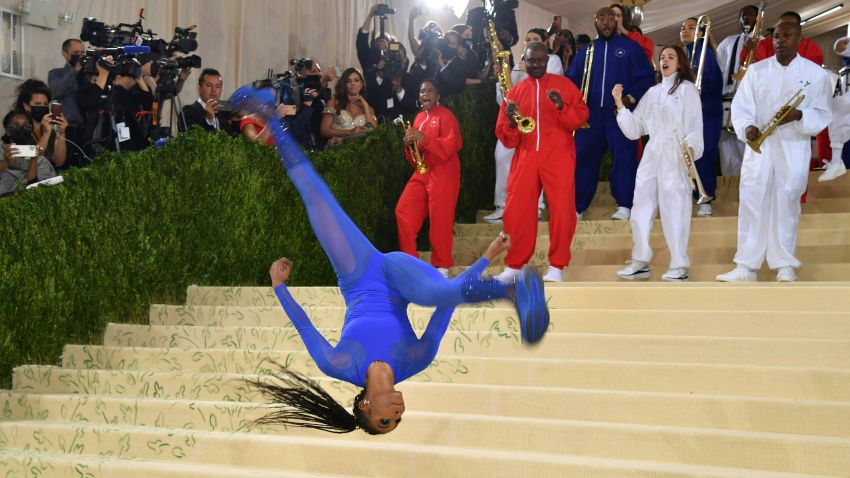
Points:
(616, 59)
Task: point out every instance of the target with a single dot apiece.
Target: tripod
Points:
(159, 128)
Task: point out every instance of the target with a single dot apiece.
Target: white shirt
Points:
(727, 50)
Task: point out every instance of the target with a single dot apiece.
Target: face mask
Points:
(18, 135)
(38, 112)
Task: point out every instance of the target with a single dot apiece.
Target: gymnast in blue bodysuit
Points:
(377, 347)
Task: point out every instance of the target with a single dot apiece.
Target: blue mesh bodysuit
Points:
(377, 288)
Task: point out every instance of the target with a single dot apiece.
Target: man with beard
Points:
(544, 157)
(773, 180)
(616, 60)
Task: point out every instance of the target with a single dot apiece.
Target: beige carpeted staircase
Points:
(649, 379)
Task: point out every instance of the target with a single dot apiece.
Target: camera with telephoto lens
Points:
(393, 61)
(383, 10)
(122, 63)
(100, 34)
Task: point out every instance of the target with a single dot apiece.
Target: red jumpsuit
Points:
(433, 194)
(545, 157)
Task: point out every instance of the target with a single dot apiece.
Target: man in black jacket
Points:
(206, 112)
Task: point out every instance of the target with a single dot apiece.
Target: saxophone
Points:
(525, 124)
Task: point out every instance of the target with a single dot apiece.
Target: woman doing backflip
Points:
(377, 347)
(671, 114)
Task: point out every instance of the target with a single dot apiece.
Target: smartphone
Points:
(55, 109)
(24, 151)
(556, 25)
(338, 71)
(224, 105)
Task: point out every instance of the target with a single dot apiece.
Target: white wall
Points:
(240, 38)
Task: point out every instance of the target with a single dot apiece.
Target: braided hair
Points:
(301, 402)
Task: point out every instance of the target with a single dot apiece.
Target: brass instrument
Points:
(413, 148)
(693, 174)
(751, 54)
(525, 124)
(780, 115)
(585, 78)
(706, 21)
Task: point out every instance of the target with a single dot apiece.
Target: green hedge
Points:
(205, 209)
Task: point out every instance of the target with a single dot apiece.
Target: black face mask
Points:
(38, 112)
(18, 135)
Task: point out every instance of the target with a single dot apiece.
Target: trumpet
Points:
(585, 77)
(751, 55)
(780, 115)
(413, 148)
(693, 174)
(703, 20)
(525, 124)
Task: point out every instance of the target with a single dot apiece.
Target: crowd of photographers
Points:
(120, 92)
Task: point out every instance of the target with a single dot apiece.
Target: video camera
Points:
(393, 61)
(292, 84)
(124, 60)
(383, 10)
(99, 34)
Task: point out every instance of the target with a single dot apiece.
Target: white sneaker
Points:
(508, 276)
(579, 216)
(738, 274)
(634, 270)
(443, 272)
(495, 217)
(553, 275)
(786, 274)
(622, 214)
(679, 274)
(704, 210)
(835, 169)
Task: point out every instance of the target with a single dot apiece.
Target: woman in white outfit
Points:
(667, 112)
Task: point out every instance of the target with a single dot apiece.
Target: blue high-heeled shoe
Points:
(531, 306)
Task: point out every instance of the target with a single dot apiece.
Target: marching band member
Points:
(839, 128)
(432, 194)
(807, 49)
(616, 59)
(711, 96)
(729, 52)
(503, 154)
(544, 157)
(773, 180)
(668, 112)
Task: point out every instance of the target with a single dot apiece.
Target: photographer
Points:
(369, 55)
(120, 97)
(389, 83)
(66, 81)
(207, 111)
(458, 65)
(34, 98)
(17, 169)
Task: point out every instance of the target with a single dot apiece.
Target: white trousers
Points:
(503, 168)
(675, 206)
(731, 151)
(768, 217)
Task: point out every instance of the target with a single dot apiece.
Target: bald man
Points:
(773, 180)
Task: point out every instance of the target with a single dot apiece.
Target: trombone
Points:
(585, 77)
(751, 55)
(413, 148)
(780, 115)
(703, 20)
(693, 174)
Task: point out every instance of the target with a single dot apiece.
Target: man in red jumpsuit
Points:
(544, 157)
(433, 193)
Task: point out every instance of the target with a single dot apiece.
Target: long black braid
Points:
(301, 402)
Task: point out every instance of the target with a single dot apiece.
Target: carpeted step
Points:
(621, 295)
(727, 379)
(30, 463)
(830, 353)
(161, 406)
(502, 316)
(360, 457)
